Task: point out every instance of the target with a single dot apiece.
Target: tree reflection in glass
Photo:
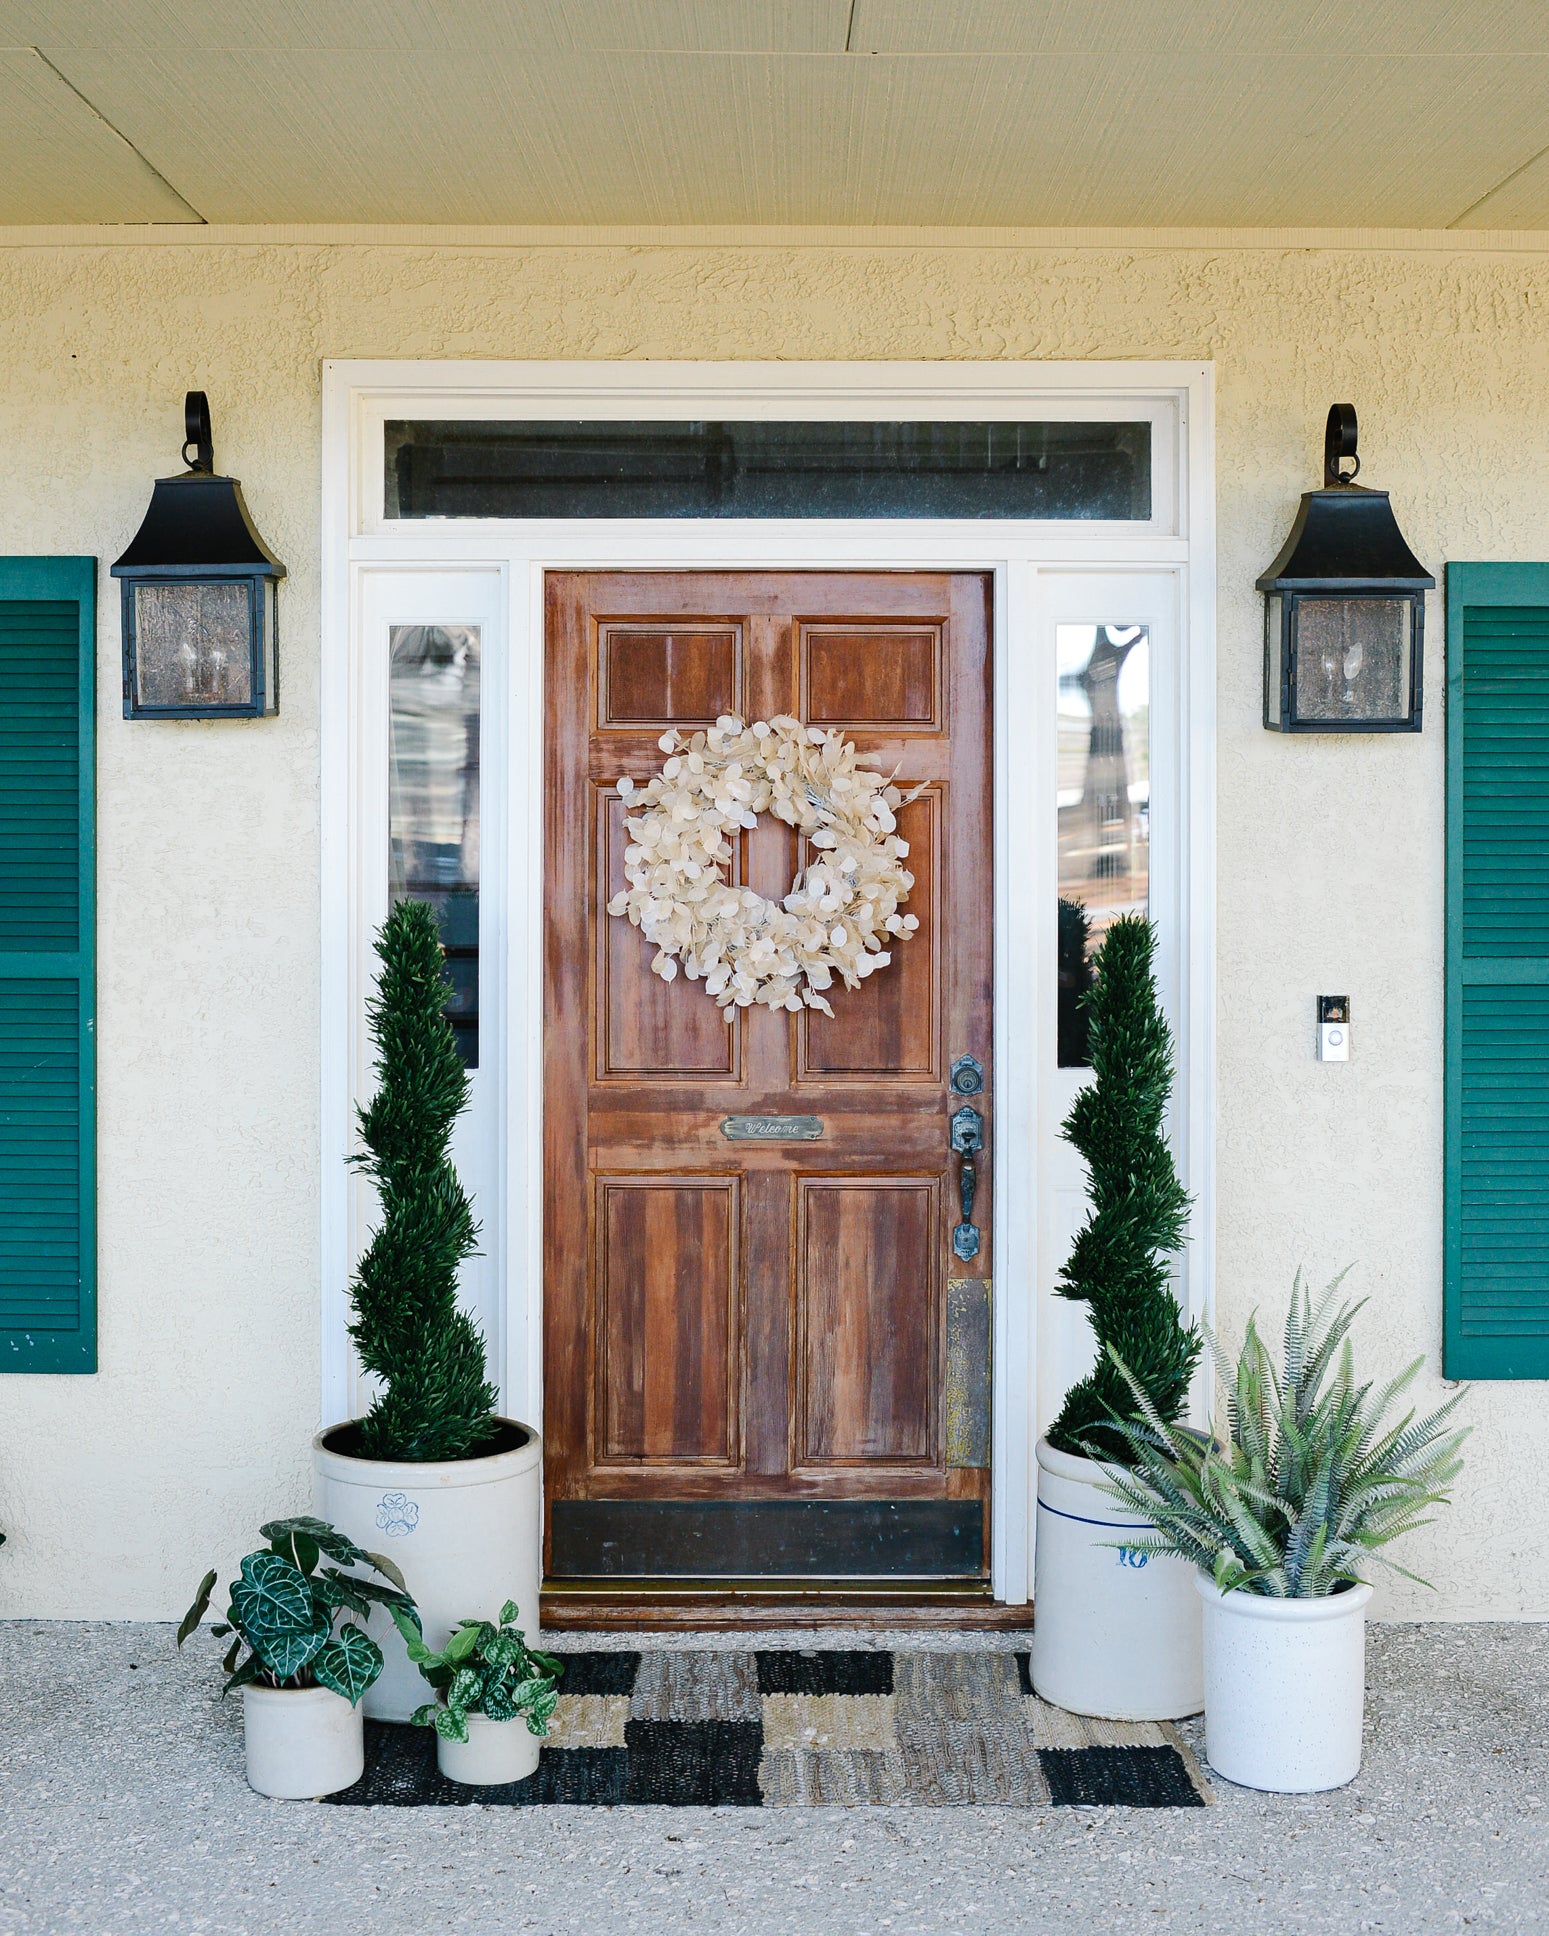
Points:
(1104, 802)
(433, 799)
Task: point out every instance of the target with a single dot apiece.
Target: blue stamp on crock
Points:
(397, 1514)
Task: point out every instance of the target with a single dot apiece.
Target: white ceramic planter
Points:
(464, 1533)
(302, 1742)
(1115, 1632)
(1285, 1688)
(495, 1752)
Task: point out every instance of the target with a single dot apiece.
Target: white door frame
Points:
(1042, 571)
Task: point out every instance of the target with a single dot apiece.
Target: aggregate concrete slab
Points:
(123, 1810)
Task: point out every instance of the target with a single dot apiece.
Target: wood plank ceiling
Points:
(1239, 113)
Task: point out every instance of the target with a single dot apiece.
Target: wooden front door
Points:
(764, 1361)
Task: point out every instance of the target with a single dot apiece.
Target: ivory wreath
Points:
(841, 907)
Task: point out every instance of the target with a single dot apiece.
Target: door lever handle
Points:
(967, 1185)
(967, 1138)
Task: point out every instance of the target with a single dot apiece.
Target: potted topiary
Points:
(487, 1678)
(307, 1667)
(1280, 1516)
(432, 1469)
(1116, 1633)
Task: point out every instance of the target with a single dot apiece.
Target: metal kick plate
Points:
(767, 1539)
(968, 1371)
(772, 1129)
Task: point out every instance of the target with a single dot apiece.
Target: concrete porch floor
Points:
(123, 1809)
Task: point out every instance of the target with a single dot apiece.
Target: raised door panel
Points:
(868, 1319)
(873, 676)
(890, 1027)
(667, 1323)
(648, 1028)
(673, 673)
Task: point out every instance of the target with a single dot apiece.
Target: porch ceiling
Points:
(1167, 113)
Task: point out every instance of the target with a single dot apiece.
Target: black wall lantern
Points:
(1344, 611)
(200, 640)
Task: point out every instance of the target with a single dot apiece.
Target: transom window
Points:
(768, 469)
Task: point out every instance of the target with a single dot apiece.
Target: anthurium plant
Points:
(485, 1668)
(287, 1610)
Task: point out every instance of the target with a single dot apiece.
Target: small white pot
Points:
(1285, 1687)
(1116, 1633)
(495, 1752)
(302, 1742)
(464, 1533)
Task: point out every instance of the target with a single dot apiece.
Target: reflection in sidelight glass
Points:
(1104, 802)
(433, 799)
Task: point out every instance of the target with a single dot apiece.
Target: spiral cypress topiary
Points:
(1118, 1266)
(437, 1401)
(1074, 980)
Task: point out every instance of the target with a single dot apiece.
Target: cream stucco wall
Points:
(117, 1490)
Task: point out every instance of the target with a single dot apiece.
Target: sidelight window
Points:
(433, 799)
(1104, 802)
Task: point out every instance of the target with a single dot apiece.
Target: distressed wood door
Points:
(747, 1344)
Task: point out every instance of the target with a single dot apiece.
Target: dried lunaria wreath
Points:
(746, 949)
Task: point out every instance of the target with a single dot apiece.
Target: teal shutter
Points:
(48, 1224)
(1497, 1077)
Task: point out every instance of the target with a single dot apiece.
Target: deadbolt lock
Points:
(967, 1077)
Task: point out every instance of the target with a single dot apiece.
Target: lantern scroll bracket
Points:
(197, 436)
(1339, 440)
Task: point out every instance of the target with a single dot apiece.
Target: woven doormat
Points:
(794, 1728)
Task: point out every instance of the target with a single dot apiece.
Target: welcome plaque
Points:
(772, 1129)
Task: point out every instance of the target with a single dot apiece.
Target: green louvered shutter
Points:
(48, 1241)
(1497, 1181)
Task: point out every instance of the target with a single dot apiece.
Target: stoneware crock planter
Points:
(1115, 1632)
(302, 1742)
(495, 1752)
(463, 1532)
(1285, 1687)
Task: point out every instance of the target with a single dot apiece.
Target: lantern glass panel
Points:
(1353, 658)
(269, 593)
(1272, 625)
(193, 644)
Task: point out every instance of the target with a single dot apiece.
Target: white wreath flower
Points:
(842, 906)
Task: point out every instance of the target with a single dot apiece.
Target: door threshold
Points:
(654, 1605)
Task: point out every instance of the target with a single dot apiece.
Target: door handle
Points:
(967, 1139)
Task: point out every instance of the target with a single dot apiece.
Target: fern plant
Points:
(1312, 1478)
(285, 1609)
(1119, 1263)
(436, 1400)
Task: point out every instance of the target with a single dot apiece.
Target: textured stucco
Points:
(117, 1490)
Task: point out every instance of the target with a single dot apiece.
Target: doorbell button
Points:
(1333, 1028)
